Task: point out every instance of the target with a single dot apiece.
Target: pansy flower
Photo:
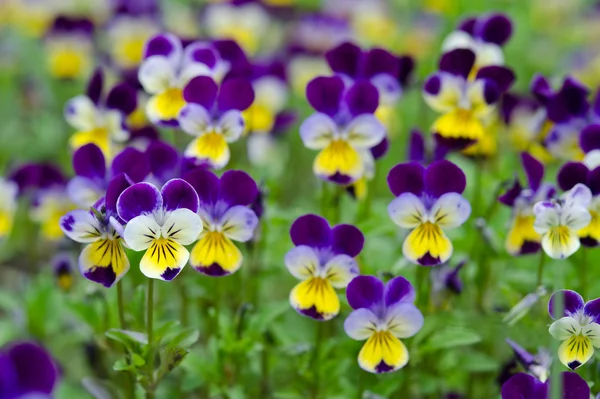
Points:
(577, 327)
(69, 47)
(484, 36)
(559, 221)
(344, 128)
(383, 314)
(160, 223)
(100, 119)
(465, 103)
(103, 260)
(428, 201)
(92, 177)
(8, 205)
(419, 151)
(227, 217)
(213, 114)
(524, 386)
(537, 365)
(63, 270)
(323, 259)
(522, 238)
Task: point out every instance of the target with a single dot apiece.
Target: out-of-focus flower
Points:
(558, 221)
(28, 371)
(92, 177)
(445, 278)
(100, 119)
(427, 201)
(523, 385)
(577, 327)
(484, 36)
(418, 150)
(69, 47)
(344, 128)
(226, 216)
(62, 266)
(522, 238)
(323, 260)
(213, 114)
(382, 314)
(127, 35)
(103, 260)
(8, 205)
(538, 365)
(160, 223)
(465, 103)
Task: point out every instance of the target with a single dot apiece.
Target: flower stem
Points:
(583, 272)
(150, 332)
(540, 270)
(121, 306)
(315, 359)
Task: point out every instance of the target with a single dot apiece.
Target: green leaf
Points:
(127, 338)
(450, 337)
(137, 360)
(266, 315)
(184, 339)
(170, 357)
(122, 365)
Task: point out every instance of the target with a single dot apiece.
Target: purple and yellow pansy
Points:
(383, 315)
(213, 114)
(323, 259)
(69, 47)
(226, 215)
(428, 201)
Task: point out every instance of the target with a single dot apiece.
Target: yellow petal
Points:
(592, 230)
(259, 118)
(575, 351)
(65, 62)
(164, 259)
(104, 261)
(316, 298)
(427, 245)
(166, 105)
(339, 158)
(99, 136)
(521, 233)
(216, 255)
(6, 222)
(383, 353)
(459, 125)
(211, 147)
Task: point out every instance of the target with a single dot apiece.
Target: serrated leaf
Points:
(450, 337)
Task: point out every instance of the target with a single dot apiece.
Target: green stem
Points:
(150, 332)
(540, 270)
(583, 272)
(315, 359)
(120, 305)
(183, 298)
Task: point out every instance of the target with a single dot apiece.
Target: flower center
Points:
(169, 103)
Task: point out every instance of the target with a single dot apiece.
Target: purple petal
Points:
(365, 292)
(122, 97)
(347, 239)
(345, 58)
(362, 98)
(117, 185)
(206, 184)
(379, 61)
(203, 54)
(575, 96)
(89, 162)
(237, 188)
(94, 87)
(502, 76)
(534, 170)
(163, 159)
(593, 181)
(574, 387)
(397, 290)
(177, 193)
(163, 44)
(592, 309)
(589, 139)
(491, 92)
(433, 84)
(201, 90)
(541, 89)
(572, 303)
(381, 149)
(468, 25)
(34, 367)
(510, 196)
(141, 198)
(325, 94)
(283, 121)
(231, 52)
(406, 178)
(458, 62)
(37, 176)
(572, 173)
(235, 94)
(523, 386)
(496, 29)
(311, 230)
(416, 146)
(525, 358)
(406, 66)
(133, 163)
(444, 177)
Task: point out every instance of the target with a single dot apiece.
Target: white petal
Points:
(182, 225)
(407, 211)
(365, 131)
(115, 123)
(156, 74)
(575, 217)
(340, 270)
(271, 92)
(449, 94)
(458, 39)
(140, 232)
(238, 223)
(194, 119)
(451, 210)
(404, 320)
(488, 54)
(388, 87)
(317, 131)
(261, 149)
(592, 159)
(81, 113)
(192, 70)
(83, 192)
(232, 125)
(563, 328)
(592, 331)
(560, 244)
(302, 262)
(578, 195)
(361, 324)
(546, 216)
(81, 226)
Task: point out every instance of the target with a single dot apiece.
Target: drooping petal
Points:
(362, 98)
(140, 232)
(201, 91)
(564, 328)
(315, 298)
(235, 94)
(312, 231)
(164, 259)
(139, 199)
(210, 147)
(81, 226)
(407, 211)
(80, 112)
(156, 74)
(361, 324)
(177, 194)
(444, 177)
(302, 262)
(443, 91)
(365, 131)
(232, 125)
(104, 261)
(347, 239)
(89, 162)
(339, 162)
(365, 292)
(398, 290)
(451, 210)
(403, 320)
(407, 178)
(340, 270)
(215, 255)
(575, 351)
(572, 303)
(237, 188)
(325, 94)
(427, 245)
(317, 131)
(383, 353)
(195, 120)
(183, 226)
(239, 223)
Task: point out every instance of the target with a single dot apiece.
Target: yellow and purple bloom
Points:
(522, 238)
(465, 103)
(226, 216)
(103, 259)
(383, 314)
(428, 200)
(70, 48)
(323, 259)
(577, 327)
(344, 128)
(160, 223)
(8, 205)
(525, 386)
(559, 221)
(213, 114)
(100, 119)
(63, 271)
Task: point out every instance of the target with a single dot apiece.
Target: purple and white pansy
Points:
(525, 386)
